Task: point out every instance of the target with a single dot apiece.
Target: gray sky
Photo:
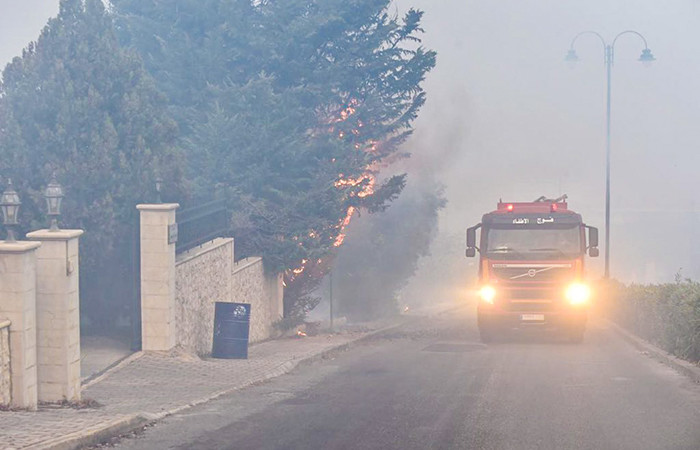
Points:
(506, 117)
(510, 119)
(20, 23)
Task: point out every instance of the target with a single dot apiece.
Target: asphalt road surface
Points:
(434, 386)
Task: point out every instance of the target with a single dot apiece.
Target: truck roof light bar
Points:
(541, 205)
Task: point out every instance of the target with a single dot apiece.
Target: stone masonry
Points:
(157, 277)
(5, 385)
(208, 274)
(178, 292)
(203, 277)
(250, 286)
(18, 294)
(58, 314)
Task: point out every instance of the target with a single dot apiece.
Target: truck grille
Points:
(530, 299)
(520, 293)
(529, 306)
(532, 272)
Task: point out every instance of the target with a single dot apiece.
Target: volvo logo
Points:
(533, 272)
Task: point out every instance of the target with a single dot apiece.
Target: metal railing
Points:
(201, 224)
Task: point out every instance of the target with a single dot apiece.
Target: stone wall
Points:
(250, 285)
(208, 274)
(5, 386)
(202, 277)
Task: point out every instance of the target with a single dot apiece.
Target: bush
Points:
(665, 314)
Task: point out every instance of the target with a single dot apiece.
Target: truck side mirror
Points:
(471, 237)
(593, 251)
(592, 237)
(471, 252)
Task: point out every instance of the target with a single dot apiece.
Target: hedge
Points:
(667, 315)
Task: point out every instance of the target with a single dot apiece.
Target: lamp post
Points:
(10, 203)
(54, 196)
(609, 57)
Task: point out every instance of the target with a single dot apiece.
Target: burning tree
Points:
(291, 109)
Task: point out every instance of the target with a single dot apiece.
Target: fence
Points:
(200, 224)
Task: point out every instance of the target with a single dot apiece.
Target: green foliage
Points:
(382, 252)
(279, 100)
(77, 105)
(665, 314)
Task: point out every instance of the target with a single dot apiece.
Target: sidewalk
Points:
(148, 386)
(97, 353)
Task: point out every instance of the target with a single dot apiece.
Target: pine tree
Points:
(291, 107)
(77, 105)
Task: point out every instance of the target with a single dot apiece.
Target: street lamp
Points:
(10, 203)
(646, 58)
(53, 195)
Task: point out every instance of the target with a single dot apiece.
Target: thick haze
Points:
(506, 117)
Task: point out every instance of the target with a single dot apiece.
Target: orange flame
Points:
(346, 221)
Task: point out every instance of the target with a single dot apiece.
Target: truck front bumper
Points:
(494, 319)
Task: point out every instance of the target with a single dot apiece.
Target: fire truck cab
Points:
(531, 269)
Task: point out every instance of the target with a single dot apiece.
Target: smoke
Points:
(382, 251)
(506, 117)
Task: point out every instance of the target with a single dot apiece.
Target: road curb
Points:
(131, 423)
(686, 368)
(93, 436)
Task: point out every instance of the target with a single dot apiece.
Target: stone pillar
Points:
(18, 304)
(5, 376)
(158, 328)
(58, 314)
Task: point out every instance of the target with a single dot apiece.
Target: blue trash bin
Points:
(231, 330)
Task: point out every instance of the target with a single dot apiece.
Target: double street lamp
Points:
(645, 58)
(10, 204)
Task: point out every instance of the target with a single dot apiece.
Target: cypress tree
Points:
(77, 105)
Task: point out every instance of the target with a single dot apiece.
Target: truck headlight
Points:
(487, 294)
(578, 294)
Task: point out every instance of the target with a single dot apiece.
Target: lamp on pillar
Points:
(54, 196)
(159, 186)
(9, 202)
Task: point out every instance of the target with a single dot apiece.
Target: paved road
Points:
(434, 386)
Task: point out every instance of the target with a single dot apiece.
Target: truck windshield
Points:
(543, 243)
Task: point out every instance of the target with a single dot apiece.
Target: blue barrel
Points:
(231, 330)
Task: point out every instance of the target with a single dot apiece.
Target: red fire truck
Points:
(531, 270)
